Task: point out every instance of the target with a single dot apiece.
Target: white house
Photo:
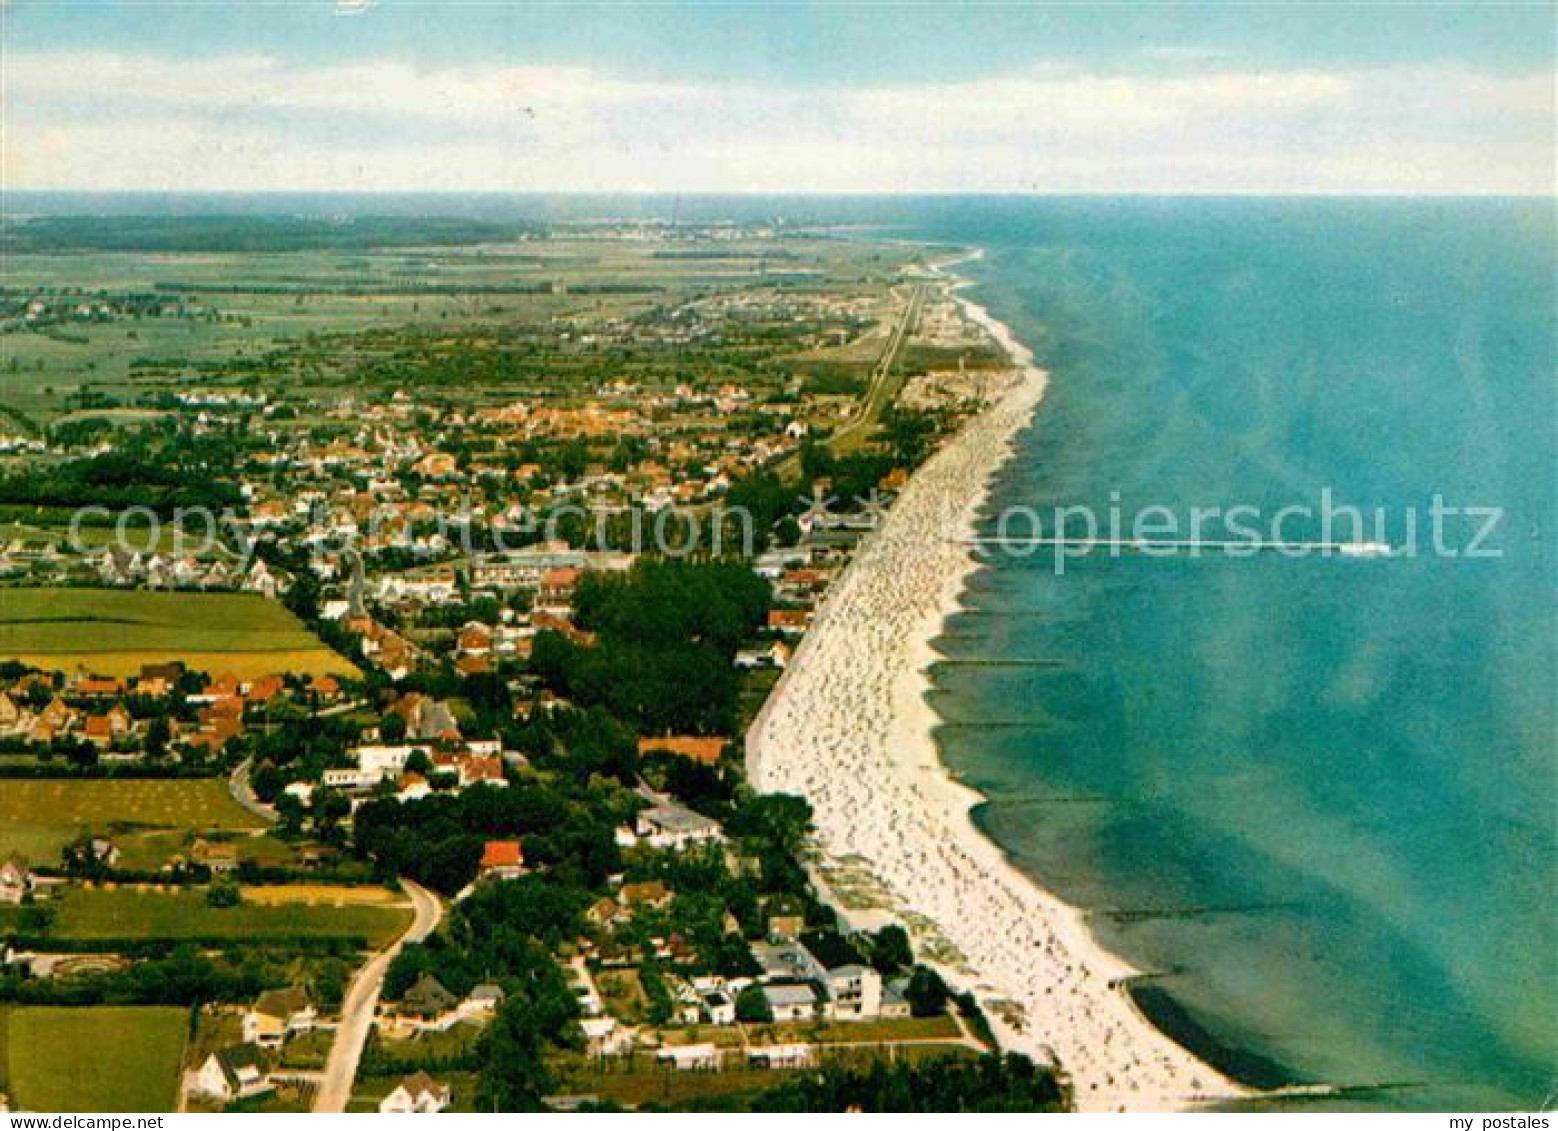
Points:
(672, 826)
(781, 1056)
(689, 1058)
(718, 1006)
(604, 1037)
(277, 1016)
(792, 1002)
(234, 1073)
(417, 1094)
(482, 1001)
(16, 881)
(854, 993)
(895, 1005)
(380, 762)
(375, 763)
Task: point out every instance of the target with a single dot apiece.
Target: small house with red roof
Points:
(502, 860)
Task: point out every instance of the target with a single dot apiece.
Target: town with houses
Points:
(316, 664)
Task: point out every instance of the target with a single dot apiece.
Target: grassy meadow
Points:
(97, 1059)
(115, 631)
(133, 912)
(241, 305)
(39, 816)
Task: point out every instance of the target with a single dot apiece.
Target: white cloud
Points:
(107, 120)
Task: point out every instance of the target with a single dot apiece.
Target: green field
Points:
(115, 631)
(130, 913)
(99, 1059)
(39, 816)
(247, 304)
(943, 1027)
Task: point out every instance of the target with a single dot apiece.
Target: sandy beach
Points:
(849, 728)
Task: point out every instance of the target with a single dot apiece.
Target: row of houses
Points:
(242, 1072)
(118, 566)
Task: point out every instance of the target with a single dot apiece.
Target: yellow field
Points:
(332, 895)
(115, 631)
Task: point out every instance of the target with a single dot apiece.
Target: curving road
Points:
(243, 793)
(362, 998)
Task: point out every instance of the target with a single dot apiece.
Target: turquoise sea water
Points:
(1318, 795)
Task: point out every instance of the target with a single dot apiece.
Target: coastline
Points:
(849, 727)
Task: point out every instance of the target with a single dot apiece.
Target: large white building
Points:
(374, 764)
(854, 993)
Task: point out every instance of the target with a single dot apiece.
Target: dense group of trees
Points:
(566, 826)
(184, 976)
(118, 481)
(668, 633)
(991, 1083)
(772, 504)
(668, 602)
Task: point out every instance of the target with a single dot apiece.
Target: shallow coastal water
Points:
(1315, 794)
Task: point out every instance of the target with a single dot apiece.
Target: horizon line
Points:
(1235, 194)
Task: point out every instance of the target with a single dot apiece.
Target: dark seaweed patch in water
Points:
(1174, 1020)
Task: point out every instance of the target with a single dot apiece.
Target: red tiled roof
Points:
(502, 854)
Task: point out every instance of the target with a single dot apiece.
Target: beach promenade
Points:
(849, 728)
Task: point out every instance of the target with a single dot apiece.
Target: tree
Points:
(223, 893)
(157, 735)
(890, 949)
(779, 821)
(926, 992)
(331, 807)
(290, 809)
(752, 1006)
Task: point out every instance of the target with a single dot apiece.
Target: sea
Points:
(1313, 798)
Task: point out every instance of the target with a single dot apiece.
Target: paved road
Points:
(362, 998)
(880, 390)
(238, 786)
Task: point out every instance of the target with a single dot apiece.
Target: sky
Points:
(433, 95)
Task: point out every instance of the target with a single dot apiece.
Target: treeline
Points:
(183, 977)
(994, 1082)
(357, 289)
(118, 480)
(614, 288)
(251, 233)
(725, 254)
